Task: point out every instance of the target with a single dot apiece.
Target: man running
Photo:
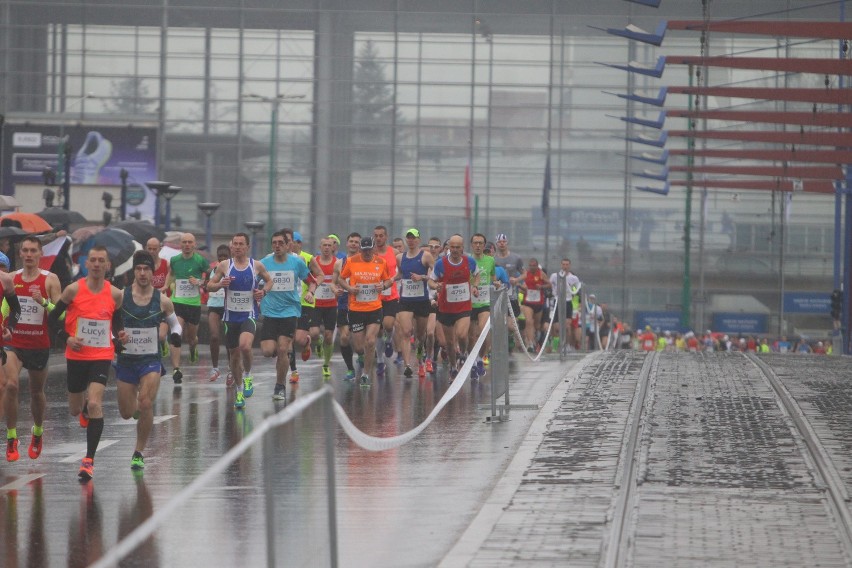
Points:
(390, 300)
(414, 266)
(307, 330)
(353, 246)
(534, 284)
(139, 366)
(513, 264)
(28, 347)
(93, 319)
(365, 276)
(572, 289)
(325, 307)
(215, 311)
(186, 274)
(161, 265)
(281, 307)
(481, 305)
(452, 279)
(239, 277)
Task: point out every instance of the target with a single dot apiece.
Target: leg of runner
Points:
(460, 331)
(371, 334)
(9, 379)
(214, 326)
(529, 329)
(405, 324)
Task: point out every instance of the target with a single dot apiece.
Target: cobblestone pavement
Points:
(722, 476)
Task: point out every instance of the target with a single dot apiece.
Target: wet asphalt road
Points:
(402, 507)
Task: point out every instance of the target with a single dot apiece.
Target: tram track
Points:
(825, 472)
(617, 540)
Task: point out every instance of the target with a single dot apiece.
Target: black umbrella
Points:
(57, 217)
(119, 244)
(12, 233)
(141, 230)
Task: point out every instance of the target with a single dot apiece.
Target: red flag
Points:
(467, 190)
(51, 250)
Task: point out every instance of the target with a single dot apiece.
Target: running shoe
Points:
(430, 368)
(530, 349)
(136, 414)
(388, 348)
(326, 371)
(453, 373)
(229, 380)
(380, 368)
(214, 375)
(248, 386)
(421, 370)
(92, 156)
(294, 377)
(306, 352)
(137, 462)
(12, 454)
(480, 367)
(365, 381)
(408, 372)
(84, 416)
(193, 354)
(240, 400)
(474, 373)
(280, 392)
(444, 356)
(177, 376)
(399, 360)
(34, 450)
(486, 361)
(350, 375)
(164, 349)
(87, 469)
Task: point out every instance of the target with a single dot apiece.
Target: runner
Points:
(161, 265)
(326, 301)
(215, 311)
(435, 340)
(353, 246)
(392, 339)
(534, 284)
(307, 330)
(28, 347)
(186, 275)
(572, 289)
(513, 264)
(139, 366)
(414, 266)
(93, 319)
(281, 307)
(364, 276)
(453, 275)
(239, 277)
(481, 305)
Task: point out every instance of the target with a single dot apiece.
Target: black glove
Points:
(174, 339)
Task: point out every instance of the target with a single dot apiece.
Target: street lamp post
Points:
(273, 152)
(255, 227)
(169, 194)
(208, 208)
(158, 187)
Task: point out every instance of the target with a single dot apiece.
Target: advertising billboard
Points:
(98, 154)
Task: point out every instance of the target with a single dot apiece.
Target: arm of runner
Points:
(117, 320)
(11, 299)
(217, 281)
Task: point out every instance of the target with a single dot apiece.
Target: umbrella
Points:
(141, 230)
(119, 244)
(27, 221)
(57, 216)
(12, 233)
(83, 234)
(167, 252)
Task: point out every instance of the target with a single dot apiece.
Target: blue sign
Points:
(728, 322)
(658, 320)
(807, 303)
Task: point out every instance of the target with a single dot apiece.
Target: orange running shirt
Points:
(365, 275)
(89, 317)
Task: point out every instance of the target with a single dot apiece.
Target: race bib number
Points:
(239, 300)
(283, 281)
(32, 313)
(484, 293)
(184, 289)
(367, 293)
(93, 333)
(324, 292)
(533, 296)
(218, 294)
(458, 292)
(412, 289)
(387, 291)
(142, 341)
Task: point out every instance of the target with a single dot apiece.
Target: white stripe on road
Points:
(21, 482)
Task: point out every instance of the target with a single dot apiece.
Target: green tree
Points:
(373, 110)
(130, 96)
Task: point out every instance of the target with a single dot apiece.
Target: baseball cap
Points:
(367, 243)
(501, 237)
(297, 236)
(592, 296)
(4, 260)
(334, 237)
(413, 232)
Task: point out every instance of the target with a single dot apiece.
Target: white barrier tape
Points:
(521, 339)
(375, 444)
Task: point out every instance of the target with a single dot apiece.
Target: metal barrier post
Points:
(499, 352)
(561, 296)
(584, 337)
(329, 425)
(270, 498)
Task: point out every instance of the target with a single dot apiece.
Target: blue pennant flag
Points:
(545, 192)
